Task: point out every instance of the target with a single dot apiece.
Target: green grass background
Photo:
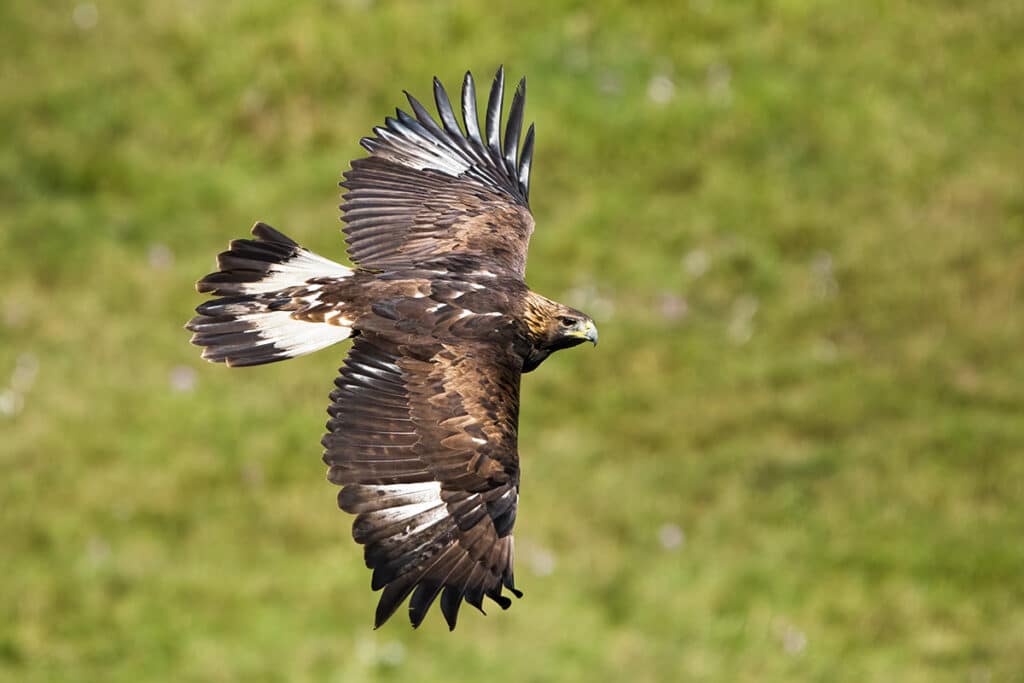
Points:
(797, 454)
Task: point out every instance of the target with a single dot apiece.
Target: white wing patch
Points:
(411, 150)
(305, 265)
(296, 337)
(400, 510)
(390, 497)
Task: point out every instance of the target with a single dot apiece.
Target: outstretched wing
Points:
(422, 439)
(433, 194)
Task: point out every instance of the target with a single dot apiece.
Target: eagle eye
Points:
(567, 322)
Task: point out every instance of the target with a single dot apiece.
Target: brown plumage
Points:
(423, 426)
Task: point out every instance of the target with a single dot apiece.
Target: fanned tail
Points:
(265, 286)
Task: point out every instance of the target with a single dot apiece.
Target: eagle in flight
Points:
(424, 417)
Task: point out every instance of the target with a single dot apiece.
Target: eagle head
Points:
(553, 327)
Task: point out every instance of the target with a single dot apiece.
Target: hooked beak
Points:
(589, 332)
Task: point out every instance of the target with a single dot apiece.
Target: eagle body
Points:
(423, 427)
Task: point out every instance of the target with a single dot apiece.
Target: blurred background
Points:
(796, 454)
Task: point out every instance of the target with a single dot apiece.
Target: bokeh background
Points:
(796, 454)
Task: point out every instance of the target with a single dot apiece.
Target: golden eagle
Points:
(424, 417)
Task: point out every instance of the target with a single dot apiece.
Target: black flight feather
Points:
(493, 123)
(525, 160)
(444, 108)
(427, 120)
(514, 127)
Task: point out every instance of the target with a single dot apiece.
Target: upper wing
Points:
(430, 193)
(423, 440)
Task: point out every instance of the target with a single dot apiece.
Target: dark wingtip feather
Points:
(509, 581)
(515, 126)
(493, 116)
(469, 115)
(526, 161)
(502, 601)
(422, 598)
(390, 599)
(444, 108)
(425, 119)
(420, 111)
(475, 596)
(451, 600)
